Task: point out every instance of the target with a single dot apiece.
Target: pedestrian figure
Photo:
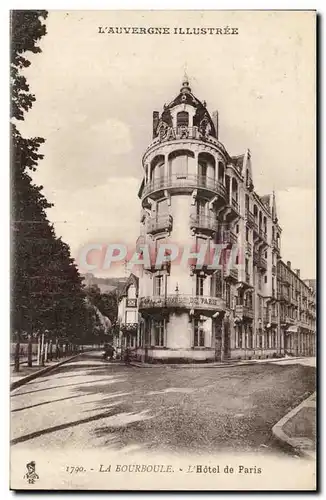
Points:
(127, 356)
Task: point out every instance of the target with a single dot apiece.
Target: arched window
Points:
(234, 189)
(157, 167)
(206, 167)
(182, 119)
(178, 163)
(132, 292)
(221, 172)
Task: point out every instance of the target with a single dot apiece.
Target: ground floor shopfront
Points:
(176, 336)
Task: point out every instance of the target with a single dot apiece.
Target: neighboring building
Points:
(194, 193)
(127, 331)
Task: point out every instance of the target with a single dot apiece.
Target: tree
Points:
(47, 290)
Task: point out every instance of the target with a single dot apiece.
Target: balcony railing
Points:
(250, 218)
(228, 236)
(182, 301)
(231, 273)
(180, 181)
(159, 223)
(203, 222)
(131, 303)
(244, 311)
(248, 248)
(260, 261)
(235, 204)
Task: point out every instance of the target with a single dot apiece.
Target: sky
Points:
(95, 94)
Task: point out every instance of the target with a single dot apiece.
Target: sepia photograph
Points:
(163, 250)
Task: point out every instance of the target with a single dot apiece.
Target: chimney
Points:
(215, 121)
(288, 264)
(298, 272)
(156, 119)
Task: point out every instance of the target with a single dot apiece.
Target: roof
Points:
(185, 96)
(132, 280)
(238, 161)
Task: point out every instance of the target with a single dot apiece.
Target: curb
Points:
(301, 446)
(37, 374)
(198, 365)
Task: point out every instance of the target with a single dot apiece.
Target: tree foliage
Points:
(47, 290)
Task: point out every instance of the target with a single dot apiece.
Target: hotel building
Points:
(194, 193)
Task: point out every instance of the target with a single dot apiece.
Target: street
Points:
(90, 403)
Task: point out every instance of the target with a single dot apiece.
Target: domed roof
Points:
(185, 96)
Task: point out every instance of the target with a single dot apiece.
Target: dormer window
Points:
(182, 119)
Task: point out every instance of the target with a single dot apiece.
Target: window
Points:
(182, 119)
(265, 279)
(265, 255)
(250, 338)
(200, 285)
(260, 339)
(200, 208)
(247, 234)
(228, 295)
(131, 317)
(159, 333)
(199, 334)
(162, 207)
(218, 284)
(131, 292)
(237, 229)
(240, 340)
(158, 285)
(247, 265)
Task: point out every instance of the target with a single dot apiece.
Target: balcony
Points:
(186, 182)
(263, 235)
(235, 204)
(228, 236)
(259, 261)
(289, 320)
(131, 303)
(244, 311)
(248, 248)
(182, 301)
(250, 218)
(204, 222)
(231, 273)
(159, 224)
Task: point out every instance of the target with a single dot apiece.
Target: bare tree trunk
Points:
(29, 351)
(42, 349)
(39, 350)
(17, 353)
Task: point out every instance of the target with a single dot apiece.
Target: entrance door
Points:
(226, 340)
(217, 330)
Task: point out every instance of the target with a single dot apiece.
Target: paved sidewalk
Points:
(297, 428)
(228, 363)
(27, 373)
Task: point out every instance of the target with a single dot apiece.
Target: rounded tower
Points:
(188, 201)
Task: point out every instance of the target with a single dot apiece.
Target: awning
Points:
(292, 329)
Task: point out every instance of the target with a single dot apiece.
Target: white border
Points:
(319, 5)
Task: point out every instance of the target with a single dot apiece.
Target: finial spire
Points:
(185, 81)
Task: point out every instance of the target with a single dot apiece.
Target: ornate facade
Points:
(194, 193)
